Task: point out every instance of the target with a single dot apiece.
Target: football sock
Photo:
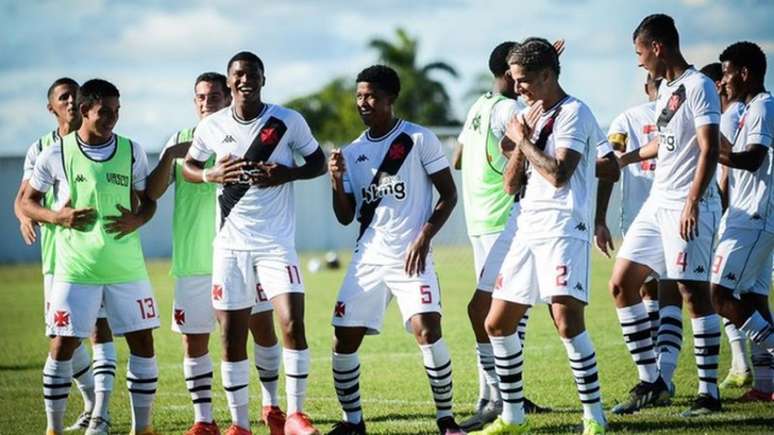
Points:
(651, 306)
(635, 324)
(508, 365)
(104, 374)
(57, 379)
(759, 331)
(487, 378)
(522, 328)
(346, 381)
(235, 376)
(83, 377)
(296, 371)
(439, 371)
(738, 344)
(763, 369)
(141, 379)
(706, 343)
(198, 380)
(267, 362)
(583, 362)
(670, 340)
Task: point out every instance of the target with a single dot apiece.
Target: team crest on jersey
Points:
(397, 151)
(217, 292)
(340, 310)
(674, 103)
(269, 135)
(388, 186)
(475, 124)
(179, 316)
(61, 318)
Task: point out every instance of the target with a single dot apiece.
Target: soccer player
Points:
(742, 267)
(95, 386)
(739, 375)
(193, 229)
(254, 143)
(673, 233)
(559, 139)
(385, 178)
(98, 260)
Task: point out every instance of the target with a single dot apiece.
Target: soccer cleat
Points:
(98, 426)
(736, 380)
(447, 426)
(486, 412)
(50, 431)
(147, 431)
(299, 423)
(203, 428)
(753, 395)
(643, 395)
(274, 419)
(237, 430)
(347, 428)
(81, 423)
(703, 404)
(500, 427)
(531, 407)
(593, 427)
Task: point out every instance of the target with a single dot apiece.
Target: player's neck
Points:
(89, 137)
(382, 128)
(63, 129)
(247, 110)
(754, 91)
(554, 96)
(675, 67)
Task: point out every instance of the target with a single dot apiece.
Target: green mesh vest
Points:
(487, 205)
(193, 221)
(47, 237)
(93, 256)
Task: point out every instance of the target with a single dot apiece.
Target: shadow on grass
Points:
(648, 425)
(20, 367)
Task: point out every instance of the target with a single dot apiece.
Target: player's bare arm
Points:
(68, 217)
(158, 180)
(227, 169)
(128, 221)
(275, 174)
(447, 199)
(707, 137)
(750, 159)
(647, 152)
(513, 177)
(343, 202)
(557, 170)
(26, 225)
(457, 157)
(602, 237)
(608, 168)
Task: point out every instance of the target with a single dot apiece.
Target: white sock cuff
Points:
(484, 349)
(268, 358)
(435, 353)
(296, 361)
(142, 367)
(197, 365)
(345, 361)
(81, 359)
(671, 311)
(104, 351)
(650, 305)
(632, 312)
(711, 322)
(580, 344)
(62, 369)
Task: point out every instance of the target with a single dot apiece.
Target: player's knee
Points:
(140, 343)
(102, 332)
(494, 327)
(720, 298)
(427, 334)
(616, 288)
(62, 348)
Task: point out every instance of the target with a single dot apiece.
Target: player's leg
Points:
(763, 362)
(268, 356)
(105, 363)
(740, 373)
(649, 295)
(669, 340)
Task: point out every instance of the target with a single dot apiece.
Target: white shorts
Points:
(368, 289)
(654, 241)
(537, 270)
(48, 283)
(129, 306)
(500, 248)
(244, 279)
(192, 311)
(482, 245)
(743, 261)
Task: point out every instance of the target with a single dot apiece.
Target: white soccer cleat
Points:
(81, 423)
(98, 426)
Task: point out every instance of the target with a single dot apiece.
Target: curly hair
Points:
(382, 77)
(535, 54)
(746, 54)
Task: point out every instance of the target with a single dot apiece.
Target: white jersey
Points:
(34, 151)
(729, 123)
(389, 178)
(252, 218)
(566, 211)
(49, 170)
(683, 105)
(635, 127)
(751, 194)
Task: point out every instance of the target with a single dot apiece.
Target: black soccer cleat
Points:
(643, 395)
(447, 426)
(531, 407)
(347, 428)
(703, 404)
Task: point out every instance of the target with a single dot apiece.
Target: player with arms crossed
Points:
(193, 229)
(559, 138)
(674, 231)
(95, 386)
(741, 274)
(254, 144)
(385, 178)
(98, 258)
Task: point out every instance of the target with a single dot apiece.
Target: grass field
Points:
(396, 397)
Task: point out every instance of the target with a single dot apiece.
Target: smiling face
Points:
(245, 79)
(373, 104)
(733, 81)
(531, 86)
(101, 118)
(209, 97)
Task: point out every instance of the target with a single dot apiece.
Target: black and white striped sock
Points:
(236, 376)
(57, 379)
(346, 381)
(635, 324)
(198, 380)
(82, 375)
(651, 306)
(583, 362)
(142, 377)
(439, 371)
(104, 371)
(509, 362)
(669, 341)
(267, 362)
(706, 344)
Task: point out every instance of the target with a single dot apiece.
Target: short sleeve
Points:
(431, 153)
(571, 130)
(139, 167)
(172, 141)
(43, 174)
(29, 160)
(758, 130)
(502, 113)
(200, 150)
(346, 180)
(704, 103)
(302, 141)
(601, 143)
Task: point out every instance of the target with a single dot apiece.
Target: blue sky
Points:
(153, 50)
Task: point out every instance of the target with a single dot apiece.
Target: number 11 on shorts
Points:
(293, 273)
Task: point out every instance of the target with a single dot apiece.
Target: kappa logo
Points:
(229, 139)
(217, 292)
(80, 178)
(61, 318)
(731, 276)
(340, 310)
(179, 316)
(361, 158)
(578, 286)
(581, 226)
(699, 269)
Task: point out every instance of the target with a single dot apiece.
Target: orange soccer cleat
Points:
(299, 423)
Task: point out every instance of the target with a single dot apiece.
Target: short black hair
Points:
(247, 57)
(658, 27)
(713, 70)
(535, 54)
(213, 77)
(382, 77)
(94, 91)
(59, 82)
(746, 54)
(498, 60)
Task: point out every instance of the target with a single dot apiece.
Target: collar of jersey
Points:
(548, 111)
(756, 97)
(82, 145)
(248, 121)
(379, 139)
(680, 77)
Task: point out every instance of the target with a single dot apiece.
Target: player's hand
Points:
(416, 256)
(689, 221)
(27, 230)
(521, 126)
(76, 218)
(507, 146)
(336, 164)
(603, 239)
(228, 169)
(270, 174)
(559, 46)
(123, 224)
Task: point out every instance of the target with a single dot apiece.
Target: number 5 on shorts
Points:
(427, 295)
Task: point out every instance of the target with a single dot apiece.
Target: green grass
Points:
(396, 396)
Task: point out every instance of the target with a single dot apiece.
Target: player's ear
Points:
(50, 108)
(744, 73)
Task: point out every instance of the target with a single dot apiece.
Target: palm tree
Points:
(422, 99)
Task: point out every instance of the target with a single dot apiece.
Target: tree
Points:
(330, 112)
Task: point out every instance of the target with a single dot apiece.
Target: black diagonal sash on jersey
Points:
(263, 145)
(673, 105)
(542, 140)
(393, 160)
